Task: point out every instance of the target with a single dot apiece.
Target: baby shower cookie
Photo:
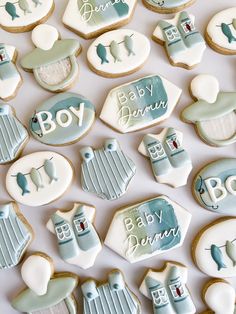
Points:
(167, 290)
(53, 61)
(221, 32)
(148, 228)
(13, 135)
(183, 43)
(140, 103)
(78, 241)
(23, 15)
(10, 78)
(214, 186)
(90, 19)
(214, 248)
(118, 53)
(16, 234)
(213, 113)
(170, 162)
(39, 178)
(62, 119)
(219, 296)
(46, 292)
(107, 171)
(167, 6)
(114, 296)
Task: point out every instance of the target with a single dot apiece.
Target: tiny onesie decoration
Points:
(78, 241)
(107, 171)
(111, 297)
(167, 6)
(167, 290)
(214, 112)
(53, 61)
(170, 162)
(46, 292)
(15, 235)
(183, 43)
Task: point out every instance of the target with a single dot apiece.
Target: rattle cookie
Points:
(46, 292)
(167, 6)
(53, 61)
(170, 162)
(213, 113)
(167, 290)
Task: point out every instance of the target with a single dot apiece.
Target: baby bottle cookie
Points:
(167, 6)
(46, 292)
(53, 61)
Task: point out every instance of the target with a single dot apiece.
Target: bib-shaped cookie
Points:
(118, 53)
(39, 178)
(167, 6)
(92, 18)
(140, 103)
(23, 15)
(53, 61)
(148, 228)
(62, 119)
(214, 248)
(214, 112)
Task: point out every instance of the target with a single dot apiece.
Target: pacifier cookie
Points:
(53, 61)
(167, 6)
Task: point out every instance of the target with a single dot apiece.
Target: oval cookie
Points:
(118, 53)
(39, 178)
(62, 119)
(167, 6)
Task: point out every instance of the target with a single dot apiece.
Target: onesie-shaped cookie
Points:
(46, 292)
(214, 112)
(53, 61)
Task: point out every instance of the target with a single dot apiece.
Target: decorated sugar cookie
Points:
(167, 290)
(148, 228)
(39, 178)
(167, 6)
(214, 248)
(214, 186)
(221, 32)
(107, 171)
(183, 43)
(92, 18)
(111, 297)
(78, 241)
(13, 135)
(219, 296)
(62, 119)
(23, 15)
(170, 162)
(213, 114)
(53, 61)
(15, 235)
(140, 104)
(118, 53)
(46, 292)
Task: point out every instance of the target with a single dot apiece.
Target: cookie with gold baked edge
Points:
(167, 6)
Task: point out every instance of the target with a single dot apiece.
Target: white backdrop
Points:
(143, 185)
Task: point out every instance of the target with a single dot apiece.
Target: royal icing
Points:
(24, 15)
(62, 119)
(15, 235)
(170, 162)
(39, 178)
(221, 31)
(107, 171)
(167, 290)
(183, 43)
(117, 53)
(111, 297)
(78, 241)
(92, 18)
(214, 248)
(148, 228)
(13, 135)
(45, 294)
(167, 6)
(53, 61)
(140, 104)
(213, 113)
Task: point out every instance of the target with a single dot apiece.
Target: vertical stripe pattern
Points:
(60, 308)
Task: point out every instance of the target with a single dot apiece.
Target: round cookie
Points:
(167, 6)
